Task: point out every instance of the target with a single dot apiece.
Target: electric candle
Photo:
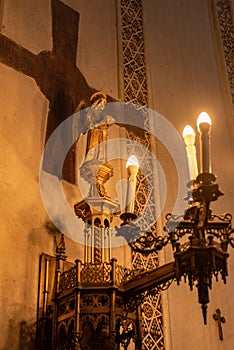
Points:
(204, 127)
(189, 140)
(132, 166)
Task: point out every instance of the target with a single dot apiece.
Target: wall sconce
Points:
(204, 255)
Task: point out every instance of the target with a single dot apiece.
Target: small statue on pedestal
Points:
(95, 169)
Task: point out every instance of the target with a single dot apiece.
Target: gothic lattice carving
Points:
(66, 307)
(95, 301)
(225, 19)
(67, 279)
(152, 321)
(135, 91)
(96, 273)
(93, 273)
(135, 83)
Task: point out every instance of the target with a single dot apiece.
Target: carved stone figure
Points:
(95, 169)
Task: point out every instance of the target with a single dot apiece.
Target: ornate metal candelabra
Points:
(204, 255)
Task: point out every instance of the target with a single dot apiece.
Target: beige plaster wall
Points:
(28, 23)
(23, 235)
(97, 51)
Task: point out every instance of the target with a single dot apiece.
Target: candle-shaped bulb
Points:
(189, 140)
(204, 126)
(132, 166)
(189, 135)
(203, 118)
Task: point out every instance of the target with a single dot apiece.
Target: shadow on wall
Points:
(20, 336)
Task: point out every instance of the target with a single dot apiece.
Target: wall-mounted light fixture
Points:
(204, 255)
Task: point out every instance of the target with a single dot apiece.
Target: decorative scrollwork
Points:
(227, 217)
(219, 226)
(96, 273)
(67, 279)
(149, 242)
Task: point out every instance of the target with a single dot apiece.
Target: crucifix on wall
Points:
(55, 72)
(219, 320)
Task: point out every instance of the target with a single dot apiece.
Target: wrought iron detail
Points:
(149, 242)
(205, 255)
(160, 288)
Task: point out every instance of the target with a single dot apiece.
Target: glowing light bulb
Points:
(204, 127)
(132, 160)
(189, 140)
(203, 118)
(188, 135)
(132, 166)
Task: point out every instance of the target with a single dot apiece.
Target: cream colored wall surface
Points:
(23, 235)
(28, 23)
(22, 125)
(97, 51)
(184, 79)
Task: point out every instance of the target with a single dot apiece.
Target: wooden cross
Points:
(55, 72)
(219, 319)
